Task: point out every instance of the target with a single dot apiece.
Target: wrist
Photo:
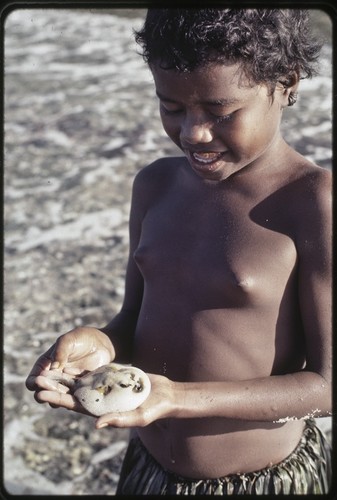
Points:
(181, 404)
(198, 399)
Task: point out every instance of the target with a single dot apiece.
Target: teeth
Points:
(206, 157)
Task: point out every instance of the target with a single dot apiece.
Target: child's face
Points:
(220, 121)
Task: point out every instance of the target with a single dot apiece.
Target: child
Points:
(228, 288)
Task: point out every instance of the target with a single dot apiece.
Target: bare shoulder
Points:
(313, 186)
(315, 179)
(310, 201)
(152, 181)
(157, 176)
(305, 186)
(160, 171)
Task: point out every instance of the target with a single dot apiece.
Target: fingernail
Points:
(55, 365)
(100, 426)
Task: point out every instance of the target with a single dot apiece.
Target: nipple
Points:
(245, 283)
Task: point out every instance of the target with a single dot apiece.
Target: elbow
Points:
(316, 395)
(326, 399)
(322, 397)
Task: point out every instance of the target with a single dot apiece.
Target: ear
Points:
(289, 92)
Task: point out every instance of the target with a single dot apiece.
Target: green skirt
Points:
(306, 471)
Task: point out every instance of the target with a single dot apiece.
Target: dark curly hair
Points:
(270, 44)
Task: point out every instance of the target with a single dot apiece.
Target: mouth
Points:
(206, 157)
(206, 161)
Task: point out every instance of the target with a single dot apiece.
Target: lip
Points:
(205, 161)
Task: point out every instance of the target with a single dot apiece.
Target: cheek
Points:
(171, 127)
(253, 131)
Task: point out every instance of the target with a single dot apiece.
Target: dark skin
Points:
(228, 288)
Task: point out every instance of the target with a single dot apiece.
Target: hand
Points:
(159, 404)
(81, 349)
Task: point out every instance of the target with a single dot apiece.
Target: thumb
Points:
(62, 349)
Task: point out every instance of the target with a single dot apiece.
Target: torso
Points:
(220, 303)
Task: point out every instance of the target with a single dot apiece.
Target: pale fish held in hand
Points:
(110, 388)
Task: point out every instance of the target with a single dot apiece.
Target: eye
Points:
(170, 111)
(223, 118)
(139, 386)
(123, 385)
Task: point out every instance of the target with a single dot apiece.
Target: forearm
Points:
(267, 399)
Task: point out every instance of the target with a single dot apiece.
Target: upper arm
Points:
(133, 280)
(314, 244)
(145, 190)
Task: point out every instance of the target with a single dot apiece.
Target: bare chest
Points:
(214, 245)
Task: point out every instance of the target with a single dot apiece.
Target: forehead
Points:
(212, 82)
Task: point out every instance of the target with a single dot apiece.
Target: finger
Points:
(73, 370)
(36, 397)
(62, 350)
(53, 406)
(122, 420)
(43, 363)
(42, 399)
(57, 399)
(62, 377)
(45, 382)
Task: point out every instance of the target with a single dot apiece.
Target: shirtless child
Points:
(228, 288)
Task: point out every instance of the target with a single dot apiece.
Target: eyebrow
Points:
(222, 102)
(215, 102)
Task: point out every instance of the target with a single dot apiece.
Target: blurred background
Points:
(80, 120)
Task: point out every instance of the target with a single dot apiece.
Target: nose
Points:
(194, 130)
